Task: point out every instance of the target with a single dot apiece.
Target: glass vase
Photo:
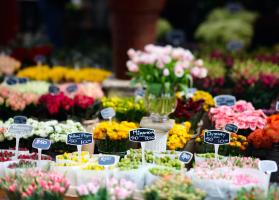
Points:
(161, 107)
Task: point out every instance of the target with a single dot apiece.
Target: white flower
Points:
(178, 71)
(195, 71)
(56, 139)
(52, 141)
(10, 138)
(199, 62)
(58, 129)
(6, 134)
(203, 73)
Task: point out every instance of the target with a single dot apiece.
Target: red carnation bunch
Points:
(34, 156)
(83, 101)
(56, 102)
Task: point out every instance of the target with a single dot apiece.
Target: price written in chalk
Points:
(20, 120)
(40, 143)
(72, 88)
(11, 81)
(142, 135)
(231, 128)
(22, 80)
(79, 138)
(216, 137)
(106, 160)
(21, 129)
(53, 89)
(185, 157)
(108, 113)
(224, 100)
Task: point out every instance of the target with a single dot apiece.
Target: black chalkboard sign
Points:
(231, 128)
(40, 58)
(21, 129)
(235, 45)
(22, 80)
(20, 120)
(234, 7)
(142, 135)
(224, 100)
(71, 88)
(40, 143)
(185, 157)
(108, 113)
(140, 92)
(79, 138)
(53, 89)
(11, 81)
(277, 106)
(176, 36)
(216, 137)
(106, 160)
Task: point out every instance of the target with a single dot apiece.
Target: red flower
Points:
(83, 101)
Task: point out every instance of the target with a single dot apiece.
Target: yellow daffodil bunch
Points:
(209, 101)
(114, 130)
(95, 167)
(66, 165)
(66, 157)
(82, 153)
(178, 136)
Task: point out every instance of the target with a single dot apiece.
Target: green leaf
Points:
(167, 87)
(133, 74)
(183, 87)
(134, 81)
(189, 78)
(154, 88)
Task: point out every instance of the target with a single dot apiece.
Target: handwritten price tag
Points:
(40, 143)
(20, 129)
(22, 80)
(11, 80)
(53, 89)
(79, 138)
(72, 88)
(216, 137)
(142, 135)
(108, 113)
(231, 128)
(106, 160)
(185, 157)
(224, 100)
(20, 120)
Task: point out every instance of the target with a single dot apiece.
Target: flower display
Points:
(95, 167)
(22, 164)
(8, 65)
(242, 114)
(241, 179)
(59, 73)
(33, 156)
(96, 189)
(113, 137)
(37, 87)
(268, 136)
(257, 193)
(178, 136)
(237, 145)
(208, 99)
(6, 154)
(126, 109)
(35, 185)
(67, 157)
(170, 187)
(207, 174)
(66, 165)
(20, 149)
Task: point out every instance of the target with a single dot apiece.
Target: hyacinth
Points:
(243, 115)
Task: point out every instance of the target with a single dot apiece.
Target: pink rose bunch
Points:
(243, 115)
(209, 174)
(242, 179)
(122, 189)
(31, 183)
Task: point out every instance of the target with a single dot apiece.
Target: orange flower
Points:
(198, 139)
(234, 135)
(202, 134)
(243, 147)
(232, 144)
(245, 144)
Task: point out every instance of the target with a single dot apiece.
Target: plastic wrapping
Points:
(200, 159)
(69, 171)
(3, 165)
(85, 176)
(87, 156)
(172, 156)
(8, 170)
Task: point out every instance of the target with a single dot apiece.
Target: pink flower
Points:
(131, 53)
(203, 73)
(195, 71)
(166, 72)
(160, 64)
(132, 67)
(199, 62)
(149, 48)
(178, 71)
(253, 126)
(82, 190)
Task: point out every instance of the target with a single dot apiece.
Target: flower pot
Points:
(160, 108)
(133, 26)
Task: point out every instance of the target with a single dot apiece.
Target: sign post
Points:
(20, 120)
(40, 143)
(79, 139)
(19, 129)
(106, 161)
(108, 113)
(268, 166)
(216, 137)
(184, 158)
(142, 135)
(224, 100)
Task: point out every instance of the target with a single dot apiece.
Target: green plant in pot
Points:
(162, 71)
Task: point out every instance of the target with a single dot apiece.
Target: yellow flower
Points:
(209, 101)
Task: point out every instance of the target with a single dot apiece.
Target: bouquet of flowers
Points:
(208, 99)
(6, 156)
(97, 190)
(84, 106)
(114, 137)
(268, 136)
(34, 156)
(160, 70)
(127, 109)
(178, 136)
(257, 194)
(35, 185)
(22, 164)
(170, 187)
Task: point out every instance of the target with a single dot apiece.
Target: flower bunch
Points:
(67, 157)
(242, 114)
(56, 102)
(20, 149)
(95, 167)
(209, 101)
(37, 87)
(170, 187)
(267, 136)
(232, 163)
(114, 130)
(178, 136)
(186, 109)
(22, 164)
(118, 190)
(3, 159)
(66, 165)
(212, 174)
(126, 109)
(257, 194)
(241, 179)
(6, 154)
(83, 101)
(35, 185)
(87, 74)
(8, 65)
(33, 156)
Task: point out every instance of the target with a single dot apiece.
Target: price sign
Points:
(175, 36)
(268, 166)
(108, 113)
(192, 90)
(142, 135)
(11, 81)
(22, 80)
(53, 89)
(79, 138)
(216, 137)
(40, 143)
(185, 157)
(71, 88)
(106, 160)
(20, 129)
(140, 92)
(20, 120)
(224, 100)
(40, 58)
(231, 128)
(277, 105)
(234, 7)
(235, 45)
